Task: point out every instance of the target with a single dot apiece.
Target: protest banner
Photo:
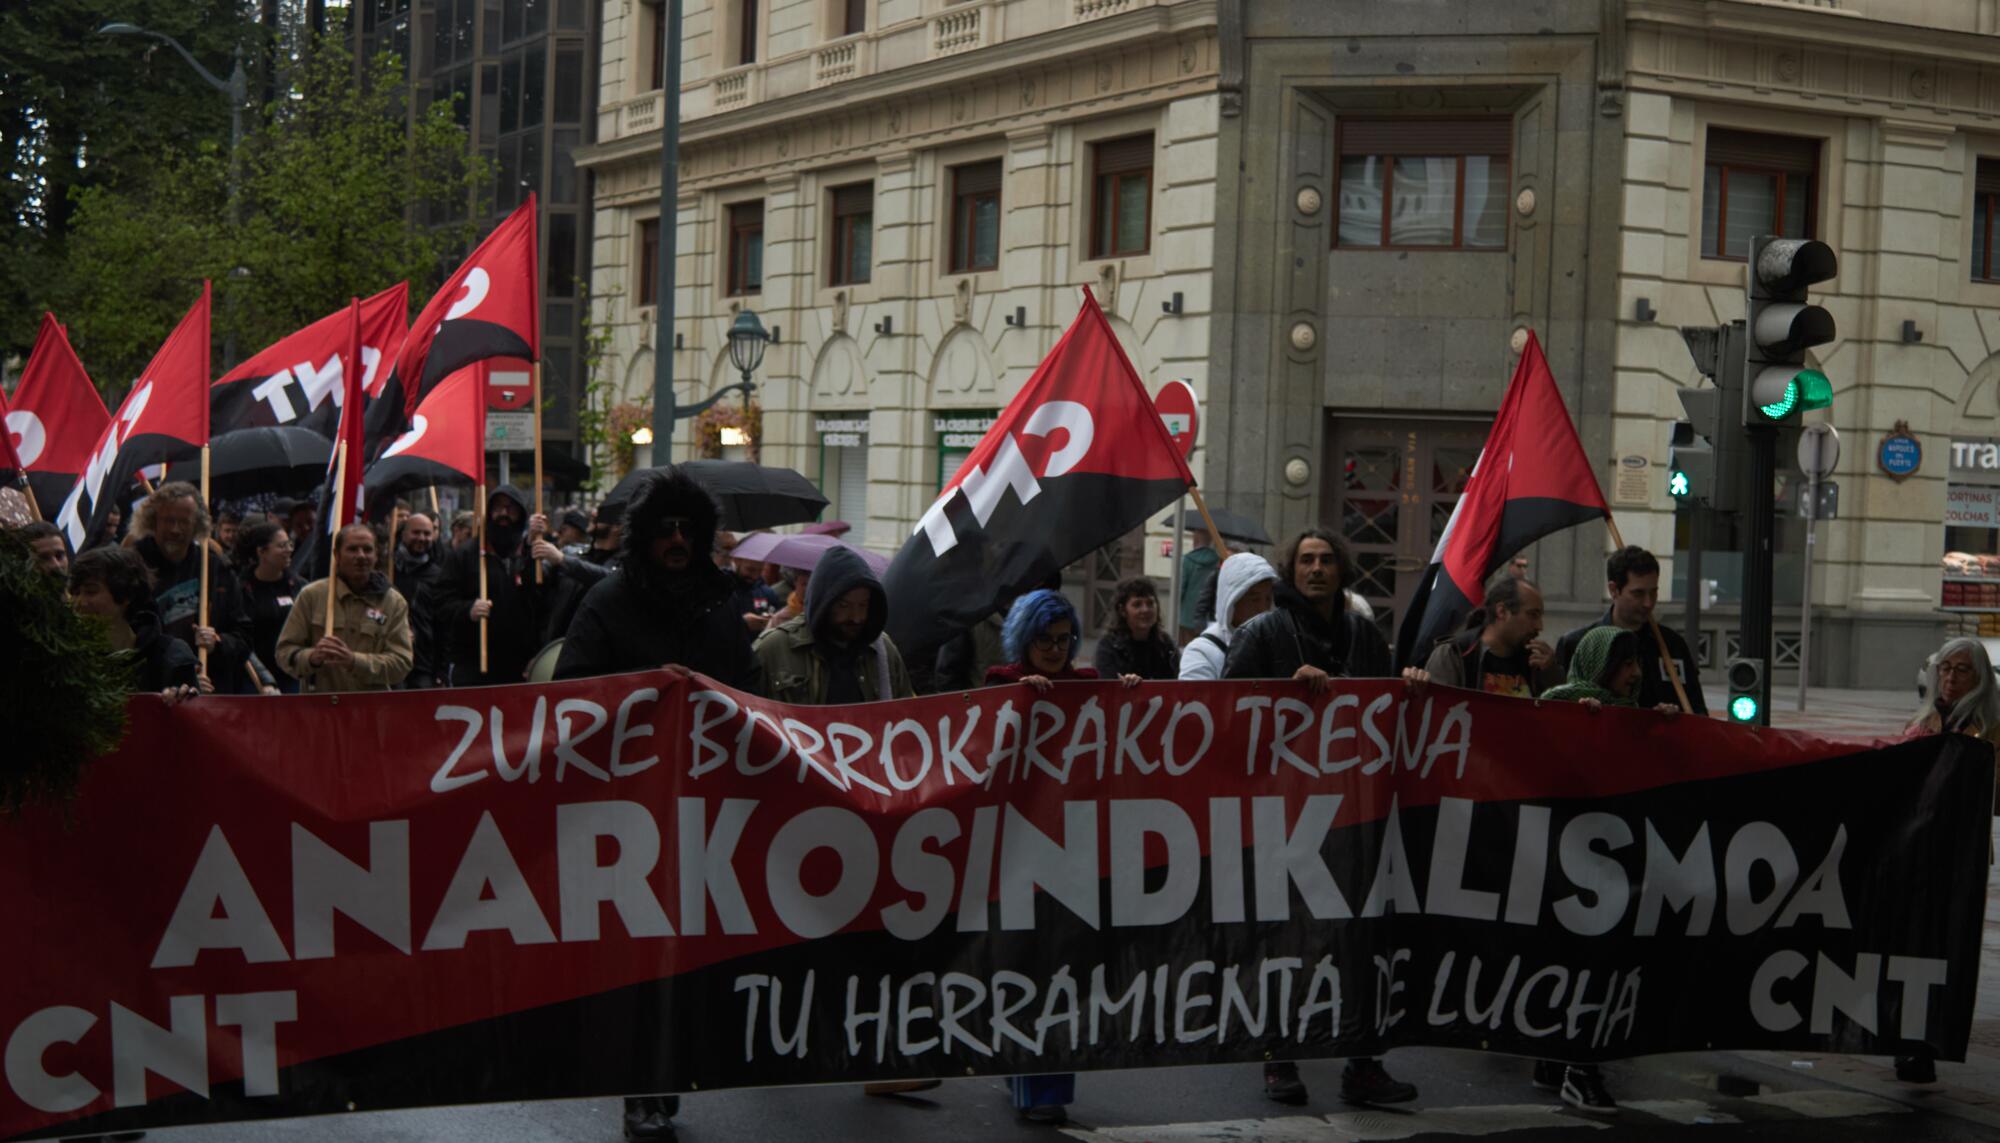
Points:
(647, 883)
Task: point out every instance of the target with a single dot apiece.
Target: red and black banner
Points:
(54, 419)
(1532, 478)
(301, 380)
(164, 418)
(445, 443)
(1077, 459)
(490, 307)
(647, 883)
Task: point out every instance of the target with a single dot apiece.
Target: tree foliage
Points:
(337, 185)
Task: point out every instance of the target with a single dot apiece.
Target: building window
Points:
(1755, 184)
(649, 34)
(647, 288)
(746, 27)
(843, 465)
(746, 247)
(1424, 184)
(853, 234)
(975, 217)
(1985, 204)
(1121, 204)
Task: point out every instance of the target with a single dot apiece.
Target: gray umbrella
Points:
(1234, 525)
(751, 495)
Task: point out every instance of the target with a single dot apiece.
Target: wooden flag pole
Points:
(1214, 533)
(395, 526)
(1666, 656)
(333, 523)
(28, 492)
(201, 546)
(535, 395)
(482, 577)
(436, 512)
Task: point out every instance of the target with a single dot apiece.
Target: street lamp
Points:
(642, 447)
(747, 340)
(236, 90)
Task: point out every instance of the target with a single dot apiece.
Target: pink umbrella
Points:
(802, 551)
(827, 528)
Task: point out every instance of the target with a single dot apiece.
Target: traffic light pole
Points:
(1696, 525)
(1754, 626)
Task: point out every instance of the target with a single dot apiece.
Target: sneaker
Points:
(1367, 1081)
(1548, 1075)
(1047, 1114)
(1282, 1083)
(1916, 1069)
(1583, 1089)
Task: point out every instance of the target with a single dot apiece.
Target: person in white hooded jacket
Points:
(1243, 587)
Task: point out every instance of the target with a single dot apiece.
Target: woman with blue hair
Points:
(1041, 636)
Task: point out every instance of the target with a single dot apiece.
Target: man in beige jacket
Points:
(369, 649)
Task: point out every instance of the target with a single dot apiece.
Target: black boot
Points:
(1282, 1083)
(650, 1118)
(1916, 1069)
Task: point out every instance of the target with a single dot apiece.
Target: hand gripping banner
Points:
(646, 883)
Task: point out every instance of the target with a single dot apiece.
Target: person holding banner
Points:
(1312, 636)
(264, 565)
(1135, 640)
(1500, 651)
(365, 644)
(1243, 591)
(1632, 576)
(113, 585)
(171, 533)
(837, 651)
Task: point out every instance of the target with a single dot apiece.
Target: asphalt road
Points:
(1463, 1094)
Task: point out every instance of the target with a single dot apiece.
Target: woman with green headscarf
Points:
(1604, 672)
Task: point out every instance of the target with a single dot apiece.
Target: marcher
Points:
(1243, 591)
(170, 534)
(227, 522)
(264, 563)
(1041, 636)
(420, 576)
(515, 607)
(1134, 640)
(464, 528)
(1633, 578)
(1500, 651)
(576, 570)
(113, 584)
(1313, 637)
(665, 605)
(300, 517)
(369, 649)
(1198, 566)
(45, 540)
(836, 652)
(573, 529)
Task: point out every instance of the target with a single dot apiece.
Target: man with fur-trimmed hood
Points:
(667, 603)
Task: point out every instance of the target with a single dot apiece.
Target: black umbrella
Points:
(1234, 525)
(751, 495)
(270, 458)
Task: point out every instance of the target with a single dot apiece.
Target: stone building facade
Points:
(1353, 215)
(910, 206)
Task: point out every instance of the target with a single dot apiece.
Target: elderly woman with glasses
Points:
(1040, 636)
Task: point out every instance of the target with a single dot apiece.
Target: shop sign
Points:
(1971, 506)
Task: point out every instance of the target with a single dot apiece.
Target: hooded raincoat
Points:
(1587, 669)
(805, 662)
(1203, 657)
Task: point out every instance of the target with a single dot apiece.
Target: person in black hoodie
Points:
(113, 584)
(420, 570)
(172, 530)
(1134, 641)
(578, 570)
(514, 607)
(836, 652)
(1312, 637)
(667, 602)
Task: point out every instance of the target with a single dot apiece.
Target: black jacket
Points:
(1654, 686)
(163, 661)
(176, 587)
(1292, 635)
(642, 616)
(514, 628)
(419, 580)
(1154, 658)
(575, 576)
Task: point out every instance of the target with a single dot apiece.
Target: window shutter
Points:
(1426, 136)
(746, 214)
(976, 178)
(1787, 153)
(1988, 178)
(856, 199)
(1119, 156)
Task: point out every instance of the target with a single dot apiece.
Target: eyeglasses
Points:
(1054, 642)
(1957, 670)
(674, 526)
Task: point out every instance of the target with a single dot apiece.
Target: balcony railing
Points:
(960, 30)
(733, 90)
(641, 114)
(842, 61)
(1082, 10)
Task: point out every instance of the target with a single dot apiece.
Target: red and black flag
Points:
(489, 308)
(445, 443)
(291, 381)
(55, 419)
(163, 418)
(1532, 478)
(1078, 459)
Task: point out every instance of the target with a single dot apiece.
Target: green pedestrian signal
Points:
(1677, 484)
(1743, 708)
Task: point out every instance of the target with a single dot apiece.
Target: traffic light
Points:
(1746, 691)
(1691, 460)
(1782, 325)
(1704, 461)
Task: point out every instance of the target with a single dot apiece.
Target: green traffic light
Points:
(1807, 389)
(1781, 408)
(1743, 708)
(1677, 484)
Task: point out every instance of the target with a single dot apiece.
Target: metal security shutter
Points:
(976, 178)
(851, 492)
(1988, 178)
(1118, 156)
(1754, 149)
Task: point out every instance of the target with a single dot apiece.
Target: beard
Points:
(505, 537)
